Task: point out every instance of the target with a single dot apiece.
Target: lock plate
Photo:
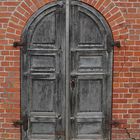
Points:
(72, 83)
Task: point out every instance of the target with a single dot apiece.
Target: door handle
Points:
(23, 122)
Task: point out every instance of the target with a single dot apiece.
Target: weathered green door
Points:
(66, 74)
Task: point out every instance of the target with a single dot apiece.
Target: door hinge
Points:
(18, 44)
(23, 122)
(117, 44)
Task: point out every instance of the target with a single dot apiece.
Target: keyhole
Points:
(72, 84)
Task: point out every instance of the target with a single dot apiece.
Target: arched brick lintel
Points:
(107, 8)
(113, 16)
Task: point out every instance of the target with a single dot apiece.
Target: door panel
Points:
(44, 60)
(88, 61)
(43, 128)
(44, 75)
(45, 30)
(89, 93)
(89, 66)
(46, 63)
(89, 31)
(44, 91)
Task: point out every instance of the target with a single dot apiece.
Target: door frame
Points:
(109, 43)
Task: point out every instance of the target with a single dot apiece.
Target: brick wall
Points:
(124, 19)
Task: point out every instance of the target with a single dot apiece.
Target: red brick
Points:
(119, 100)
(4, 20)
(136, 95)
(135, 115)
(10, 3)
(121, 90)
(120, 111)
(134, 111)
(28, 9)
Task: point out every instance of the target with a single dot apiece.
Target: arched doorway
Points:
(66, 74)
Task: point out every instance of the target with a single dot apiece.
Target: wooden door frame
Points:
(109, 40)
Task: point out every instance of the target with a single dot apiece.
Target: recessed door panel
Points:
(44, 91)
(40, 62)
(89, 95)
(88, 61)
(45, 30)
(43, 128)
(89, 32)
(89, 128)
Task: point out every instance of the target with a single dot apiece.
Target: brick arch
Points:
(113, 16)
(107, 8)
(20, 16)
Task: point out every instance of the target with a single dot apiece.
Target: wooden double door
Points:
(66, 74)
